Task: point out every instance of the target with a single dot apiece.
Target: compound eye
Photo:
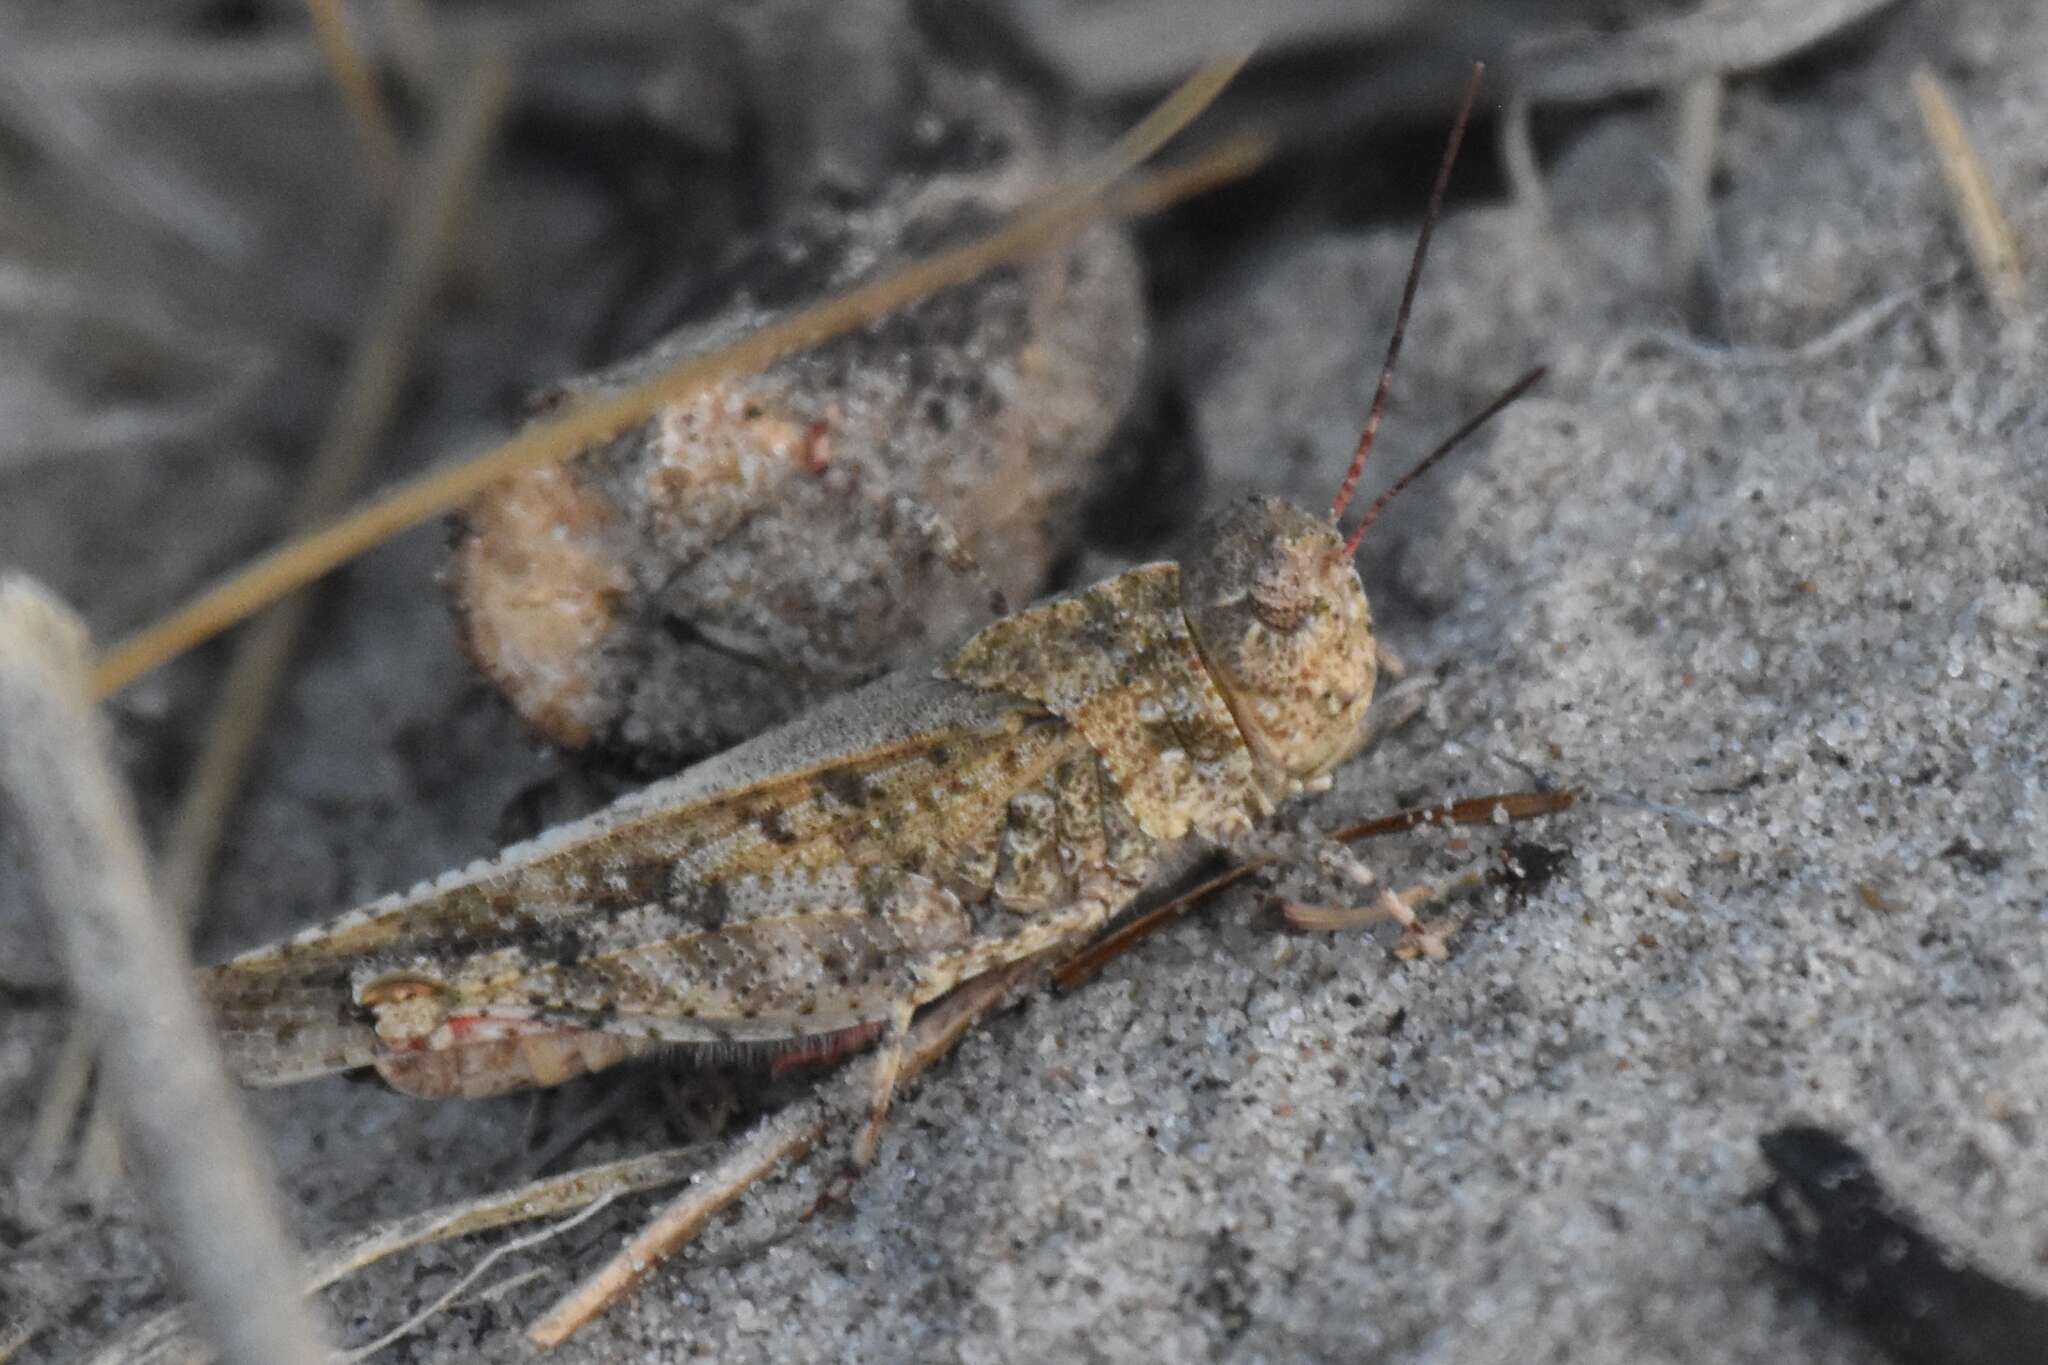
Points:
(1280, 599)
(1280, 616)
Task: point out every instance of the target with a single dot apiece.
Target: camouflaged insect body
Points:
(823, 879)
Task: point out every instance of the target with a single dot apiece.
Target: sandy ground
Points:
(1782, 609)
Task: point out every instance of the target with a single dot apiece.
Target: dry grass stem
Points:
(1056, 219)
(76, 141)
(1232, 159)
(64, 1095)
(1698, 104)
(1518, 162)
(358, 86)
(1992, 248)
(785, 1136)
(475, 1273)
(166, 1337)
(369, 393)
(129, 973)
(546, 1198)
(370, 388)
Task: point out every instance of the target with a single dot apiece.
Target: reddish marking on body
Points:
(824, 1047)
(815, 454)
(475, 1029)
(464, 1028)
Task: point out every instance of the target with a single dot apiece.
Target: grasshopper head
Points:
(1275, 606)
(1282, 622)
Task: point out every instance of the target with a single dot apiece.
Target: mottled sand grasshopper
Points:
(812, 888)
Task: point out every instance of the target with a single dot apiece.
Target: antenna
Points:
(1429, 217)
(1451, 442)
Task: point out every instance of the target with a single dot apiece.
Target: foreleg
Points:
(1307, 847)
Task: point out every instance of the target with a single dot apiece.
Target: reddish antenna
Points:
(1472, 424)
(1429, 217)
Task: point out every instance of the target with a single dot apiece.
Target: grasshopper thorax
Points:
(1282, 623)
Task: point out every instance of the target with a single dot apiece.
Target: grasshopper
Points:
(810, 889)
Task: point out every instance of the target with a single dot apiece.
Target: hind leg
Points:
(1049, 931)
(482, 1057)
(888, 1068)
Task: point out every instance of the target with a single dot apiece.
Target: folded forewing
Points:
(692, 911)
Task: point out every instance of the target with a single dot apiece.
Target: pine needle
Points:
(1992, 248)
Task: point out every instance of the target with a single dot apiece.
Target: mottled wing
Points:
(781, 956)
(751, 870)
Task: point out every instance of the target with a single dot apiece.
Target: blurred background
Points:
(203, 242)
(200, 197)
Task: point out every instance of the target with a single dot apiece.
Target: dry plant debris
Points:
(1992, 248)
(132, 978)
